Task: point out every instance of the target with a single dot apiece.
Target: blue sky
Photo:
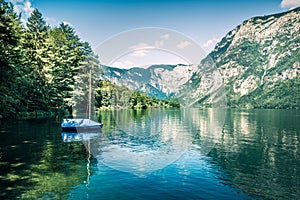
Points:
(205, 21)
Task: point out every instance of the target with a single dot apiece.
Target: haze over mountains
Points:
(258, 61)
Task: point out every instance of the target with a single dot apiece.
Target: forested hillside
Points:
(38, 63)
(108, 95)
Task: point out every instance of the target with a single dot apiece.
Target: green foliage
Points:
(54, 173)
(282, 95)
(109, 95)
(36, 50)
(86, 82)
(12, 74)
(64, 64)
(39, 64)
(36, 23)
(138, 100)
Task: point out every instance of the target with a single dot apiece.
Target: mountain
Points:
(259, 62)
(256, 65)
(161, 81)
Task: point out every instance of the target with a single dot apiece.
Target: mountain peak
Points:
(257, 58)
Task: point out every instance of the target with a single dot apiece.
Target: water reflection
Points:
(158, 154)
(79, 136)
(35, 163)
(146, 140)
(259, 150)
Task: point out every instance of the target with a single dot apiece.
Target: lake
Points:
(155, 154)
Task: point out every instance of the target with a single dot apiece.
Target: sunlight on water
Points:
(155, 154)
(153, 139)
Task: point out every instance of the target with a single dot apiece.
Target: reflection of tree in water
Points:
(59, 168)
(40, 165)
(259, 151)
(107, 118)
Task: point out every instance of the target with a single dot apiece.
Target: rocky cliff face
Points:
(161, 81)
(256, 65)
(259, 63)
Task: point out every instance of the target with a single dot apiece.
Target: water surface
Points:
(155, 154)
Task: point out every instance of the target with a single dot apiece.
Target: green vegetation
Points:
(140, 101)
(282, 95)
(109, 95)
(44, 68)
(56, 172)
(39, 64)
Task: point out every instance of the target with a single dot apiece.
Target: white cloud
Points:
(125, 64)
(165, 36)
(23, 21)
(17, 9)
(183, 44)
(28, 8)
(23, 6)
(140, 53)
(141, 49)
(141, 45)
(290, 4)
(15, 2)
(158, 44)
(50, 20)
(212, 42)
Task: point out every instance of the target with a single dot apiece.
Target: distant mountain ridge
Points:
(258, 63)
(161, 81)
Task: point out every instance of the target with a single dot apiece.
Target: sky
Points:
(204, 22)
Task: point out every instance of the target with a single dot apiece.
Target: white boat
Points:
(80, 125)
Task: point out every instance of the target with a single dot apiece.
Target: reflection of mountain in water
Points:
(260, 152)
(147, 140)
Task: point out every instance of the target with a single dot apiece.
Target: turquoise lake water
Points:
(155, 154)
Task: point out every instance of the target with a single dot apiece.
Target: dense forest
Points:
(40, 64)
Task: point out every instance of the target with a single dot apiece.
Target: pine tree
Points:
(11, 72)
(38, 64)
(65, 59)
